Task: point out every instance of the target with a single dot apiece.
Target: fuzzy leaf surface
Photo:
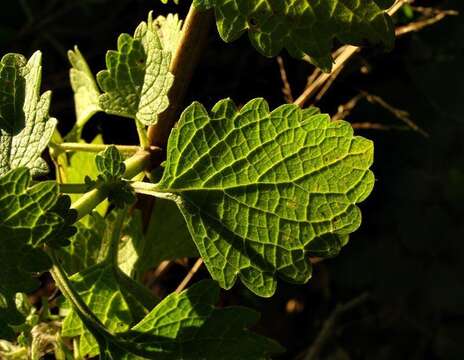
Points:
(258, 187)
(86, 91)
(137, 80)
(303, 27)
(169, 29)
(25, 126)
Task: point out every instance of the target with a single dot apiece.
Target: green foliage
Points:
(31, 216)
(115, 299)
(167, 237)
(79, 166)
(25, 126)
(187, 326)
(110, 164)
(254, 192)
(257, 187)
(86, 91)
(138, 79)
(303, 27)
(169, 29)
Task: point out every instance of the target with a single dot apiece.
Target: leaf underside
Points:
(259, 190)
(303, 27)
(25, 126)
(137, 80)
(86, 92)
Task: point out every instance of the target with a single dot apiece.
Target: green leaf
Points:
(187, 326)
(86, 247)
(132, 245)
(91, 243)
(25, 126)
(167, 236)
(257, 188)
(110, 164)
(137, 80)
(169, 30)
(31, 216)
(115, 299)
(86, 92)
(303, 27)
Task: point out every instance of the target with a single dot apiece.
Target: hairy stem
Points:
(191, 45)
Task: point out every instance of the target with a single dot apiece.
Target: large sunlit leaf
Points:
(303, 27)
(260, 190)
(25, 126)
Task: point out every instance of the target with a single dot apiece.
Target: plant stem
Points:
(62, 281)
(90, 200)
(83, 147)
(191, 45)
(142, 132)
(113, 249)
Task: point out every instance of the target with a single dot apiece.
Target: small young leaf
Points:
(110, 163)
(25, 126)
(86, 92)
(303, 27)
(257, 188)
(137, 80)
(111, 166)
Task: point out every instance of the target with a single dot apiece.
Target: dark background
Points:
(408, 254)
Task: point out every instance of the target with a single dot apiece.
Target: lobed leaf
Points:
(303, 27)
(138, 79)
(31, 216)
(115, 299)
(187, 326)
(25, 126)
(260, 189)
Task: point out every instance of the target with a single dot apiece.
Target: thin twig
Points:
(190, 275)
(286, 89)
(437, 15)
(402, 115)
